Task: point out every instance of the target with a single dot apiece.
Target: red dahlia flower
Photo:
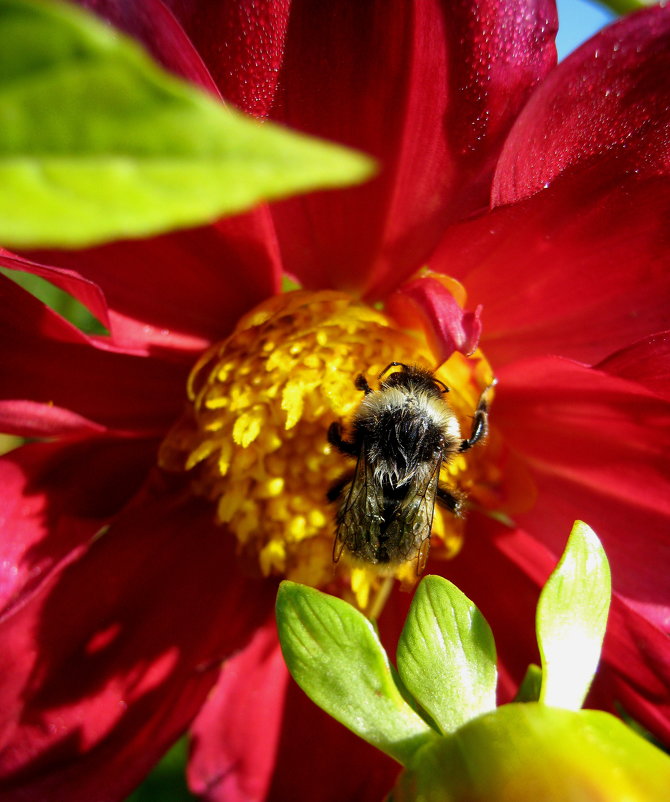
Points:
(544, 190)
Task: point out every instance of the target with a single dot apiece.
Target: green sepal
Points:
(530, 752)
(571, 619)
(98, 142)
(446, 655)
(335, 656)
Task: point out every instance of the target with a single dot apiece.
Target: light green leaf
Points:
(335, 656)
(571, 619)
(97, 142)
(531, 752)
(446, 655)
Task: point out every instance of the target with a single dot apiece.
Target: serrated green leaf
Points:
(571, 619)
(335, 656)
(97, 142)
(446, 655)
(531, 752)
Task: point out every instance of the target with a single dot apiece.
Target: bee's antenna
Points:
(392, 365)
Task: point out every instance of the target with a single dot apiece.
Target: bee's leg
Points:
(335, 439)
(335, 490)
(361, 383)
(450, 500)
(480, 422)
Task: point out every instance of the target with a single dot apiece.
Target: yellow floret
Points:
(254, 439)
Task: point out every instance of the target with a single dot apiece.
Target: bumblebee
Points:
(402, 435)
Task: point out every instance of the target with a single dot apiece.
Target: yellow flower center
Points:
(254, 439)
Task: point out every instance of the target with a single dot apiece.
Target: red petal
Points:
(646, 362)
(114, 656)
(55, 497)
(320, 760)
(158, 30)
(242, 43)
(53, 364)
(21, 313)
(184, 289)
(608, 104)
(430, 90)
(598, 447)
(34, 420)
(237, 736)
(88, 293)
(641, 686)
(236, 733)
(449, 327)
(574, 270)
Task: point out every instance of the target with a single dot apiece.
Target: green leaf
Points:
(97, 142)
(335, 656)
(529, 690)
(571, 619)
(446, 655)
(530, 752)
(626, 6)
(167, 781)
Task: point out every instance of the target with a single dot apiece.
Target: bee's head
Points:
(412, 377)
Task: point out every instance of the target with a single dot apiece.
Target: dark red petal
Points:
(235, 736)
(574, 270)
(21, 313)
(113, 657)
(598, 447)
(320, 760)
(55, 497)
(641, 687)
(429, 89)
(50, 362)
(646, 362)
(88, 293)
(607, 104)
(151, 23)
(185, 289)
(242, 43)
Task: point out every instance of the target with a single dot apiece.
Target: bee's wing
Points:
(359, 518)
(410, 530)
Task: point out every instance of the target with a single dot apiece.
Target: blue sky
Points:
(578, 20)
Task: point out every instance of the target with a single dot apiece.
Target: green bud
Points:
(531, 752)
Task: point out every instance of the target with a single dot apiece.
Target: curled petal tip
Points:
(428, 303)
